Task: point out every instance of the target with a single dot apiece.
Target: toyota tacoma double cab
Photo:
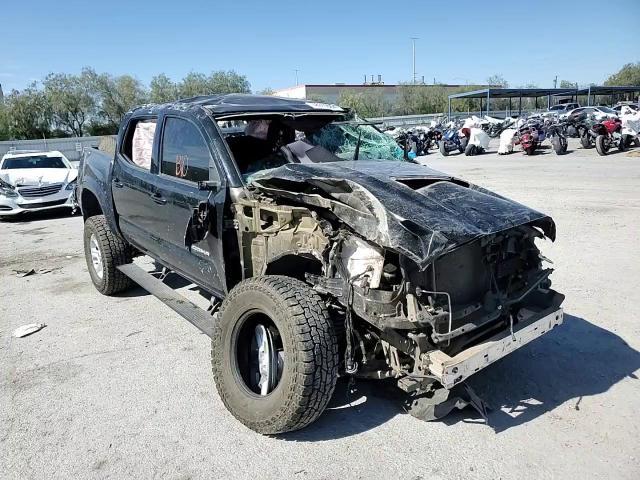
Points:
(324, 250)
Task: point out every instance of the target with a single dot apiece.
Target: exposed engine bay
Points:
(428, 277)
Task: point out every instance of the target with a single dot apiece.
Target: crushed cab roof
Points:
(245, 103)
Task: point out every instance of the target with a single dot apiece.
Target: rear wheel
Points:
(104, 251)
(443, 148)
(559, 145)
(464, 141)
(622, 144)
(585, 141)
(274, 354)
(530, 150)
(601, 145)
(470, 150)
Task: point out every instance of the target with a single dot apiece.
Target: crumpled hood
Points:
(38, 176)
(412, 209)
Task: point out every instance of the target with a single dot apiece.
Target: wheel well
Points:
(90, 205)
(294, 266)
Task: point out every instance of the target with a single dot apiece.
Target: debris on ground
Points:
(28, 329)
(33, 271)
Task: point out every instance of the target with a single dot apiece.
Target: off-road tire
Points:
(601, 146)
(443, 148)
(311, 354)
(114, 251)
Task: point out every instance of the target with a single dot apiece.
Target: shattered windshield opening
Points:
(267, 141)
(341, 140)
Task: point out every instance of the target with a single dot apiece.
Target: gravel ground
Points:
(122, 388)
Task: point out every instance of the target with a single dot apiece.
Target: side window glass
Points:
(138, 143)
(185, 153)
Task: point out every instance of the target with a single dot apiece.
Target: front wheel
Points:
(585, 141)
(104, 251)
(274, 354)
(601, 145)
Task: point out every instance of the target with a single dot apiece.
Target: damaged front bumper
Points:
(16, 204)
(450, 371)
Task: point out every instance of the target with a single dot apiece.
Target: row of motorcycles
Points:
(471, 136)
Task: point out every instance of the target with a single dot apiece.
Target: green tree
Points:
(228, 82)
(114, 96)
(497, 80)
(567, 84)
(219, 82)
(28, 115)
(629, 74)
(71, 101)
(162, 89)
(192, 85)
(5, 134)
(367, 104)
(266, 91)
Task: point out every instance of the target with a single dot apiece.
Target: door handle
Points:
(117, 183)
(159, 199)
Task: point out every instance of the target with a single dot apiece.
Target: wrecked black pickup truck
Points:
(324, 251)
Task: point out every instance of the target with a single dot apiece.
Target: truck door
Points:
(186, 158)
(133, 179)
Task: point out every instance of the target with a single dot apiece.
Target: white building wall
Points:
(299, 91)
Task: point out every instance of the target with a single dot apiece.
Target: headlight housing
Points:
(71, 185)
(7, 191)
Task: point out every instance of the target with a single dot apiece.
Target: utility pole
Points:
(555, 82)
(296, 70)
(413, 43)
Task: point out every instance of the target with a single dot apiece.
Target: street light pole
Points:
(296, 70)
(413, 43)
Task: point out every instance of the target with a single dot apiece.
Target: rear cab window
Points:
(137, 146)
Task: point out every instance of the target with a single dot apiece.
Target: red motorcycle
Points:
(609, 134)
(530, 136)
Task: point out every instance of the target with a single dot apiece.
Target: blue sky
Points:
(328, 41)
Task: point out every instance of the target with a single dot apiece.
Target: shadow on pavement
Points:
(576, 360)
(25, 218)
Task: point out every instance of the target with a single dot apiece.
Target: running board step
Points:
(179, 303)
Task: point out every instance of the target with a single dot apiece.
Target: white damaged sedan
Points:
(32, 181)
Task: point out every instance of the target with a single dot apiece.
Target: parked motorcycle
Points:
(556, 132)
(452, 140)
(508, 139)
(478, 141)
(608, 135)
(495, 126)
(530, 136)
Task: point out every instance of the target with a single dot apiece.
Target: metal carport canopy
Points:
(514, 92)
(608, 90)
(510, 93)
